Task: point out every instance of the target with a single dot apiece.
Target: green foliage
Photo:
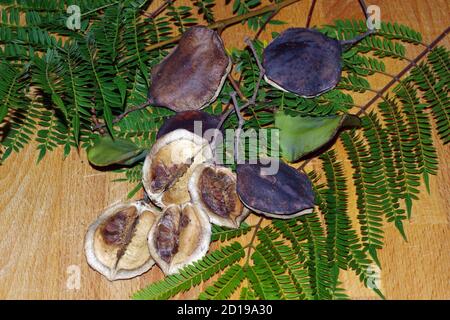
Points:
(55, 92)
(192, 275)
(225, 285)
(369, 203)
(224, 233)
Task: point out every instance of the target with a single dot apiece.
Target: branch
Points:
(411, 64)
(250, 102)
(159, 10)
(222, 24)
(264, 25)
(310, 13)
(363, 5)
(241, 122)
(252, 240)
(235, 86)
(100, 8)
(144, 105)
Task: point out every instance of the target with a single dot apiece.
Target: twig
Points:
(100, 8)
(264, 25)
(222, 24)
(303, 165)
(261, 72)
(99, 126)
(250, 102)
(94, 117)
(411, 64)
(252, 240)
(159, 10)
(358, 38)
(235, 86)
(241, 122)
(363, 5)
(310, 13)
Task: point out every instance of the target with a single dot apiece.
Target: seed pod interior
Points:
(170, 164)
(213, 189)
(116, 243)
(285, 194)
(180, 236)
(192, 75)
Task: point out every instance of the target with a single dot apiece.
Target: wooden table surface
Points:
(46, 208)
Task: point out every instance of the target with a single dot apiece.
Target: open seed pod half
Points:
(304, 61)
(191, 121)
(169, 165)
(193, 74)
(116, 243)
(284, 193)
(213, 190)
(180, 236)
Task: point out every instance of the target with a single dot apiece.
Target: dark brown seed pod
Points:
(186, 120)
(116, 243)
(180, 236)
(213, 190)
(285, 194)
(193, 74)
(303, 61)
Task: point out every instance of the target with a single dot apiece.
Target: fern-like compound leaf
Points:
(193, 274)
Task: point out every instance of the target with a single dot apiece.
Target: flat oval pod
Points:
(187, 120)
(116, 243)
(284, 193)
(169, 165)
(180, 236)
(193, 74)
(303, 61)
(302, 135)
(213, 190)
(107, 151)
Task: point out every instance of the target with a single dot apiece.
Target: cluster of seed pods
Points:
(187, 189)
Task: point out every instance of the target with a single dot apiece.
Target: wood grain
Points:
(46, 208)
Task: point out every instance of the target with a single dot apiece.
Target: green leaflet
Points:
(301, 135)
(107, 151)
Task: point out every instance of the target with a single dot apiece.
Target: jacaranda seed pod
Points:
(304, 61)
(283, 194)
(179, 237)
(193, 74)
(169, 165)
(213, 190)
(116, 243)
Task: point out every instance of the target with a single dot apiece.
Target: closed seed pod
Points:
(284, 195)
(187, 120)
(169, 165)
(193, 74)
(116, 243)
(303, 61)
(213, 190)
(180, 236)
